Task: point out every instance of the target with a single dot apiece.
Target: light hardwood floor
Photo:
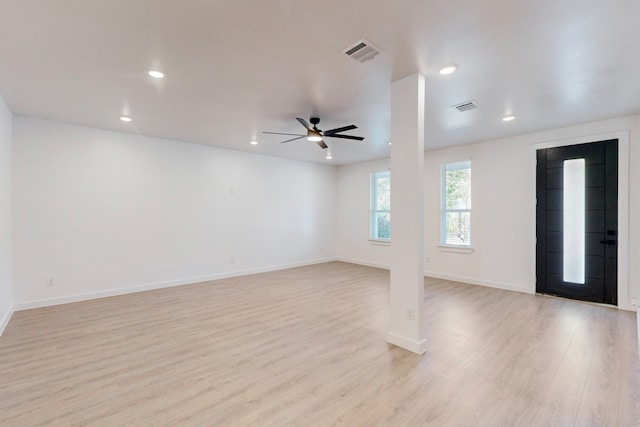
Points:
(306, 347)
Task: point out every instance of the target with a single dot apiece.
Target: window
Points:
(573, 221)
(380, 206)
(456, 204)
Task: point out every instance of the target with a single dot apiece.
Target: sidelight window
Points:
(573, 221)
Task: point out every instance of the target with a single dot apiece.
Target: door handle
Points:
(608, 242)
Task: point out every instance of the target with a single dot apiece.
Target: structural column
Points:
(407, 214)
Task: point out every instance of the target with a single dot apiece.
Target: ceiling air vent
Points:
(466, 106)
(362, 51)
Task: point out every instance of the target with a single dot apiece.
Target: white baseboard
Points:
(627, 307)
(5, 320)
(365, 263)
(407, 343)
(468, 280)
(472, 281)
(27, 305)
(622, 305)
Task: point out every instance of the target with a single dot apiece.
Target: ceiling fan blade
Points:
(357, 138)
(280, 133)
(304, 123)
(342, 129)
(322, 144)
(293, 139)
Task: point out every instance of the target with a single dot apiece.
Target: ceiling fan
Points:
(316, 135)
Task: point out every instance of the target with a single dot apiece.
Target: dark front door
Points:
(577, 221)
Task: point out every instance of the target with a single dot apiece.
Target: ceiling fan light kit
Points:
(313, 136)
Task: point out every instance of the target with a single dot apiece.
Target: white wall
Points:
(104, 213)
(503, 224)
(6, 296)
(353, 201)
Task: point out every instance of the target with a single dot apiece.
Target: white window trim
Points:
(380, 242)
(444, 246)
(373, 211)
(458, 249)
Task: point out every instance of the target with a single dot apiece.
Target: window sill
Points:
(456, 249)
(381, 242)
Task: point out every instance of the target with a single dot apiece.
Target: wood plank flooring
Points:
(306, 347)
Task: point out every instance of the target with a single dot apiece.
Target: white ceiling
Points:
(237, 68)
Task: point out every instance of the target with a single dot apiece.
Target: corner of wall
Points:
(636, 304)
(6, 209)
(5, 320)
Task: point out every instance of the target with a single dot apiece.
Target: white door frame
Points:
(624, 293)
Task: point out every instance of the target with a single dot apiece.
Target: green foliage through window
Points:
(380, 223)
(456, 204)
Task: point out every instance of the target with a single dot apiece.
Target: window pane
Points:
(380, 205)
(383, 221)
(573, 231)
(458, 189)
(456, 203)
(458, 228)
(383, 193)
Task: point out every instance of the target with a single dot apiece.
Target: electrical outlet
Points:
(232, 261)
(410, 314)
(51, 281)
(427, 260)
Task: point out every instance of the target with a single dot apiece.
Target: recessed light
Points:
(508, 118)
(329, 157)
(448, 69)
(156, 74)
(254, 142)
(125, 118)
(389, 142)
